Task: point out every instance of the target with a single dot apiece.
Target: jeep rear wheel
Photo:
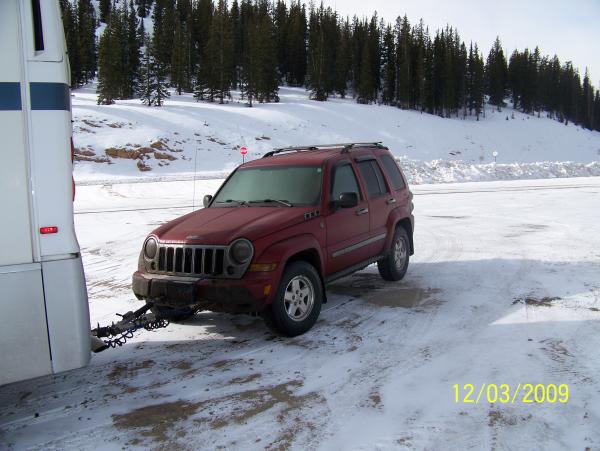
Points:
(297, 303)
(394, 265)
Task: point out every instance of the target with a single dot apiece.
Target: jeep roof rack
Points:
(346, 147)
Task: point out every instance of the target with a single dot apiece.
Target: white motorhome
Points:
(44, 318)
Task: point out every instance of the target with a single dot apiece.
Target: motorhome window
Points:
(38, 34)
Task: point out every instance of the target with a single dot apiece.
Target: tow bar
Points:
(118, 333)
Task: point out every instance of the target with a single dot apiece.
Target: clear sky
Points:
(571, 29)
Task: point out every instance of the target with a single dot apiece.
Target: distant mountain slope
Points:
(128, 139)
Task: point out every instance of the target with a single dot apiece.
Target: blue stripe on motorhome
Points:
(10, 96)
(49, 96)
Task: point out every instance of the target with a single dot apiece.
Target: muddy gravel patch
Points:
(156, 421)
(373, 289)
(162, 424)
(545, 301)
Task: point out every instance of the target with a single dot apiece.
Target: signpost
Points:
(494, 154)
(243, 151)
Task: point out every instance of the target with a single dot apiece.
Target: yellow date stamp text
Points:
(511, 394)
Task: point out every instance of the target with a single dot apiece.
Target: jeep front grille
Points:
(191, 260)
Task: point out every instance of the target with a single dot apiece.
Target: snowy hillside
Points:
(131, 140)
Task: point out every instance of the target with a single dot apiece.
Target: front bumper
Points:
(252, 293)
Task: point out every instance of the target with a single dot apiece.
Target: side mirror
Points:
(207, 199)
(347, 200)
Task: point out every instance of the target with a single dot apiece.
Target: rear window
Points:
(393, 172)
(373, 178)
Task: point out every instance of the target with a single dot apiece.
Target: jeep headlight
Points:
(241, 251)
(150, 248)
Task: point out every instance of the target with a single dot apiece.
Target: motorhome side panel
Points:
(23, 332)
(44, 317)
(50, 129)
(47, 73)
(67, 313)
(15, 239)
(24, 344)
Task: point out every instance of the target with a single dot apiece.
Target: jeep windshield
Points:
(274, 186)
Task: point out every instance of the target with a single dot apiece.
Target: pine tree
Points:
(248, 64)
(162, 92)
(202, 13)
(267, 85)
(164, 31)
(496, 75)
(323, 49)
(105, 6)
(86, 30)
(110, 57)
(477, 83)
(296, 45)
(131, 52)
(460, 74)
(119, 18)
(366, 84)
(236, 30)
(316, 55)
(374, 59)
(596, 118)
(569, 93)
(438, 52)
(219, 55)
(178, 56)
(280, 24)
(147, 86)
(428, 83)
(153, 87)
(403, 50)
(420, 38)
(144, 7)
(357, 42)
(389, 67)
(343, 61)
(366, 56)
(69, 18)
(258, 77)
(587, 103)
(448, 81)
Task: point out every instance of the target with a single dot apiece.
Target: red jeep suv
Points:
(278, 230)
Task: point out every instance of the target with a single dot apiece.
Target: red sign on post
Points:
(243, 150)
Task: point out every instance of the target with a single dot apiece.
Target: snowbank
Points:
(440, 171)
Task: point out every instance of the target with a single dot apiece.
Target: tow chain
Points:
(118, 333)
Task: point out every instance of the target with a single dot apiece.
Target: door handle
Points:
(391, 200)
(362, 211)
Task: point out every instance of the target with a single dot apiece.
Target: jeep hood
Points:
(222, 225)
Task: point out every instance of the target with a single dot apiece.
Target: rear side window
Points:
(38, 34)
(344, 181)
(373, 178)
(393, 172)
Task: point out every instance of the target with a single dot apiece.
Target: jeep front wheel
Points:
(297, 303)
(394, 265)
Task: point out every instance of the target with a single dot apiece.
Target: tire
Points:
(173, 314)
(298, 300)
(394, 265)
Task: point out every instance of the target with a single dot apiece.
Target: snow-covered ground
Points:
(186, 137)
(504, 288)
